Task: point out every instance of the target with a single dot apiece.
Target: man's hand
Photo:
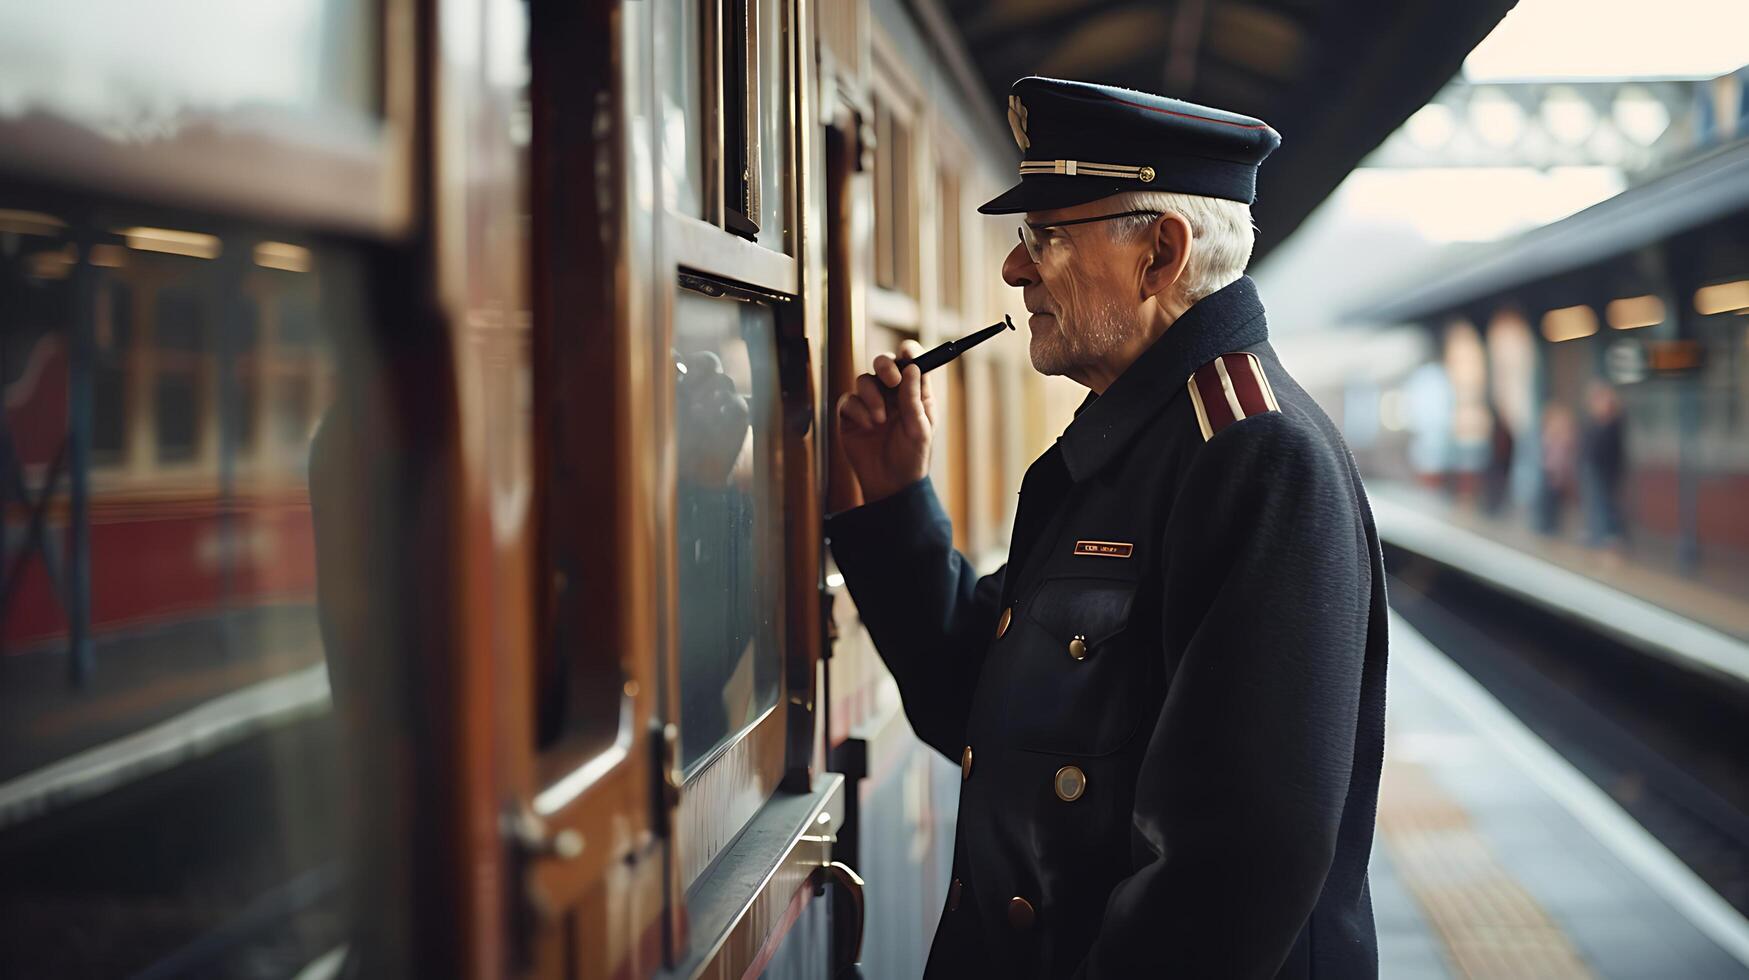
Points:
(885, 425)
(713, 420)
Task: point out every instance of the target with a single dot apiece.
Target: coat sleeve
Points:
(930, 615)
(1240, 793)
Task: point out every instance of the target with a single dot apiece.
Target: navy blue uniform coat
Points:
(1228, 714)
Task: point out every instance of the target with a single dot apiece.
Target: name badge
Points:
(1105, 549)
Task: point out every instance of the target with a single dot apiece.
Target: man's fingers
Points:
(910, 407)
(911, 348)
(873, 398)
(886, 370)
(852, 413)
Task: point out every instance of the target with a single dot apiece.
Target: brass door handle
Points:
(847, 930)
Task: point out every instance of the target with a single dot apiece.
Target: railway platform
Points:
(1715, 593)
(160, 697)
(1494, 857)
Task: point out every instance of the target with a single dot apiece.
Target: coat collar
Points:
(1229, 319)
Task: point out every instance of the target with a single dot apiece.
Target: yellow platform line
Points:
(1491, 927)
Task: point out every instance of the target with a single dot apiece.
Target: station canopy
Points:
(1334, 77)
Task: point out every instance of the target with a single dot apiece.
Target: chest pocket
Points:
(1078, 681)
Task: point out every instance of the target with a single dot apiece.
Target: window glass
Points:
(112, 341)
(682, 112)
(895, 217)
(729, 520)
(83, 59)
(180, 794)
(740, 129)
(178, 415)
(773, 124)
(950, 260)
(886, 266)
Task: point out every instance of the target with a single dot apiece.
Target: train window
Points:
(290, 408)
(740, 86)
(729, 517)
(178, 416)
(112, 348)
(180, 336)
(771, 44)
(950, 261)
(895, 203)
(682, 108)
(242, 409)
(180, 794)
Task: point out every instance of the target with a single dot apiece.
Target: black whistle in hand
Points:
(935, 357)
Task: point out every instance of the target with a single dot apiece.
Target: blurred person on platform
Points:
(1168, 705)
(1560, 447)
(1497, 477)
(1603, 461)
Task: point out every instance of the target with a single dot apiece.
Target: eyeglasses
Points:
(1035, 249)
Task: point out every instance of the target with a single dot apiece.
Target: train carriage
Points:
(415, 467)
(416, 438)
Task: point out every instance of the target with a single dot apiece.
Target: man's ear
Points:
(1170, 243)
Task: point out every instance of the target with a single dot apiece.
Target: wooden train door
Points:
(660, 734)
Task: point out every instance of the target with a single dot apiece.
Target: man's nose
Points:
(1018, 268)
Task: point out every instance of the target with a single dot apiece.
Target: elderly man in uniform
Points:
(1168, 705)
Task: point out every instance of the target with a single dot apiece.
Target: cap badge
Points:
(1017, 122)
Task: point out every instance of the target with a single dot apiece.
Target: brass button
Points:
(1020, 913)
(1002, 624)
(1078, 648)
(1147, 175)
(966, 763)
(1070, 783)
(953, 896)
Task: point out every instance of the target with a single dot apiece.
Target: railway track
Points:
(1667, 743)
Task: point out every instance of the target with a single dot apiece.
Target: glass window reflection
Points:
(178, 793)
(729, 521)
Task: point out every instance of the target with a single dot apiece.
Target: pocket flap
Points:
(1094, 608)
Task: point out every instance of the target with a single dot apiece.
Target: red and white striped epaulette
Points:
(1229, 388)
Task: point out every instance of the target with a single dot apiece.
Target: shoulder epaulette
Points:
(1229, 388)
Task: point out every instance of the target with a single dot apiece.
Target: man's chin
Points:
(1045, 359)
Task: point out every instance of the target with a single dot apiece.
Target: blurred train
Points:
(412, 464)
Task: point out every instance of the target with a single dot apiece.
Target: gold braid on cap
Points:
(1017, 122)
(1083, 168)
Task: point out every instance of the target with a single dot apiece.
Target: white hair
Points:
(1221, 235)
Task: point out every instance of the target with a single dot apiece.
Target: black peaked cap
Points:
(1083, 142)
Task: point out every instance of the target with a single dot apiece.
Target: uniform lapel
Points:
(1042, 493)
